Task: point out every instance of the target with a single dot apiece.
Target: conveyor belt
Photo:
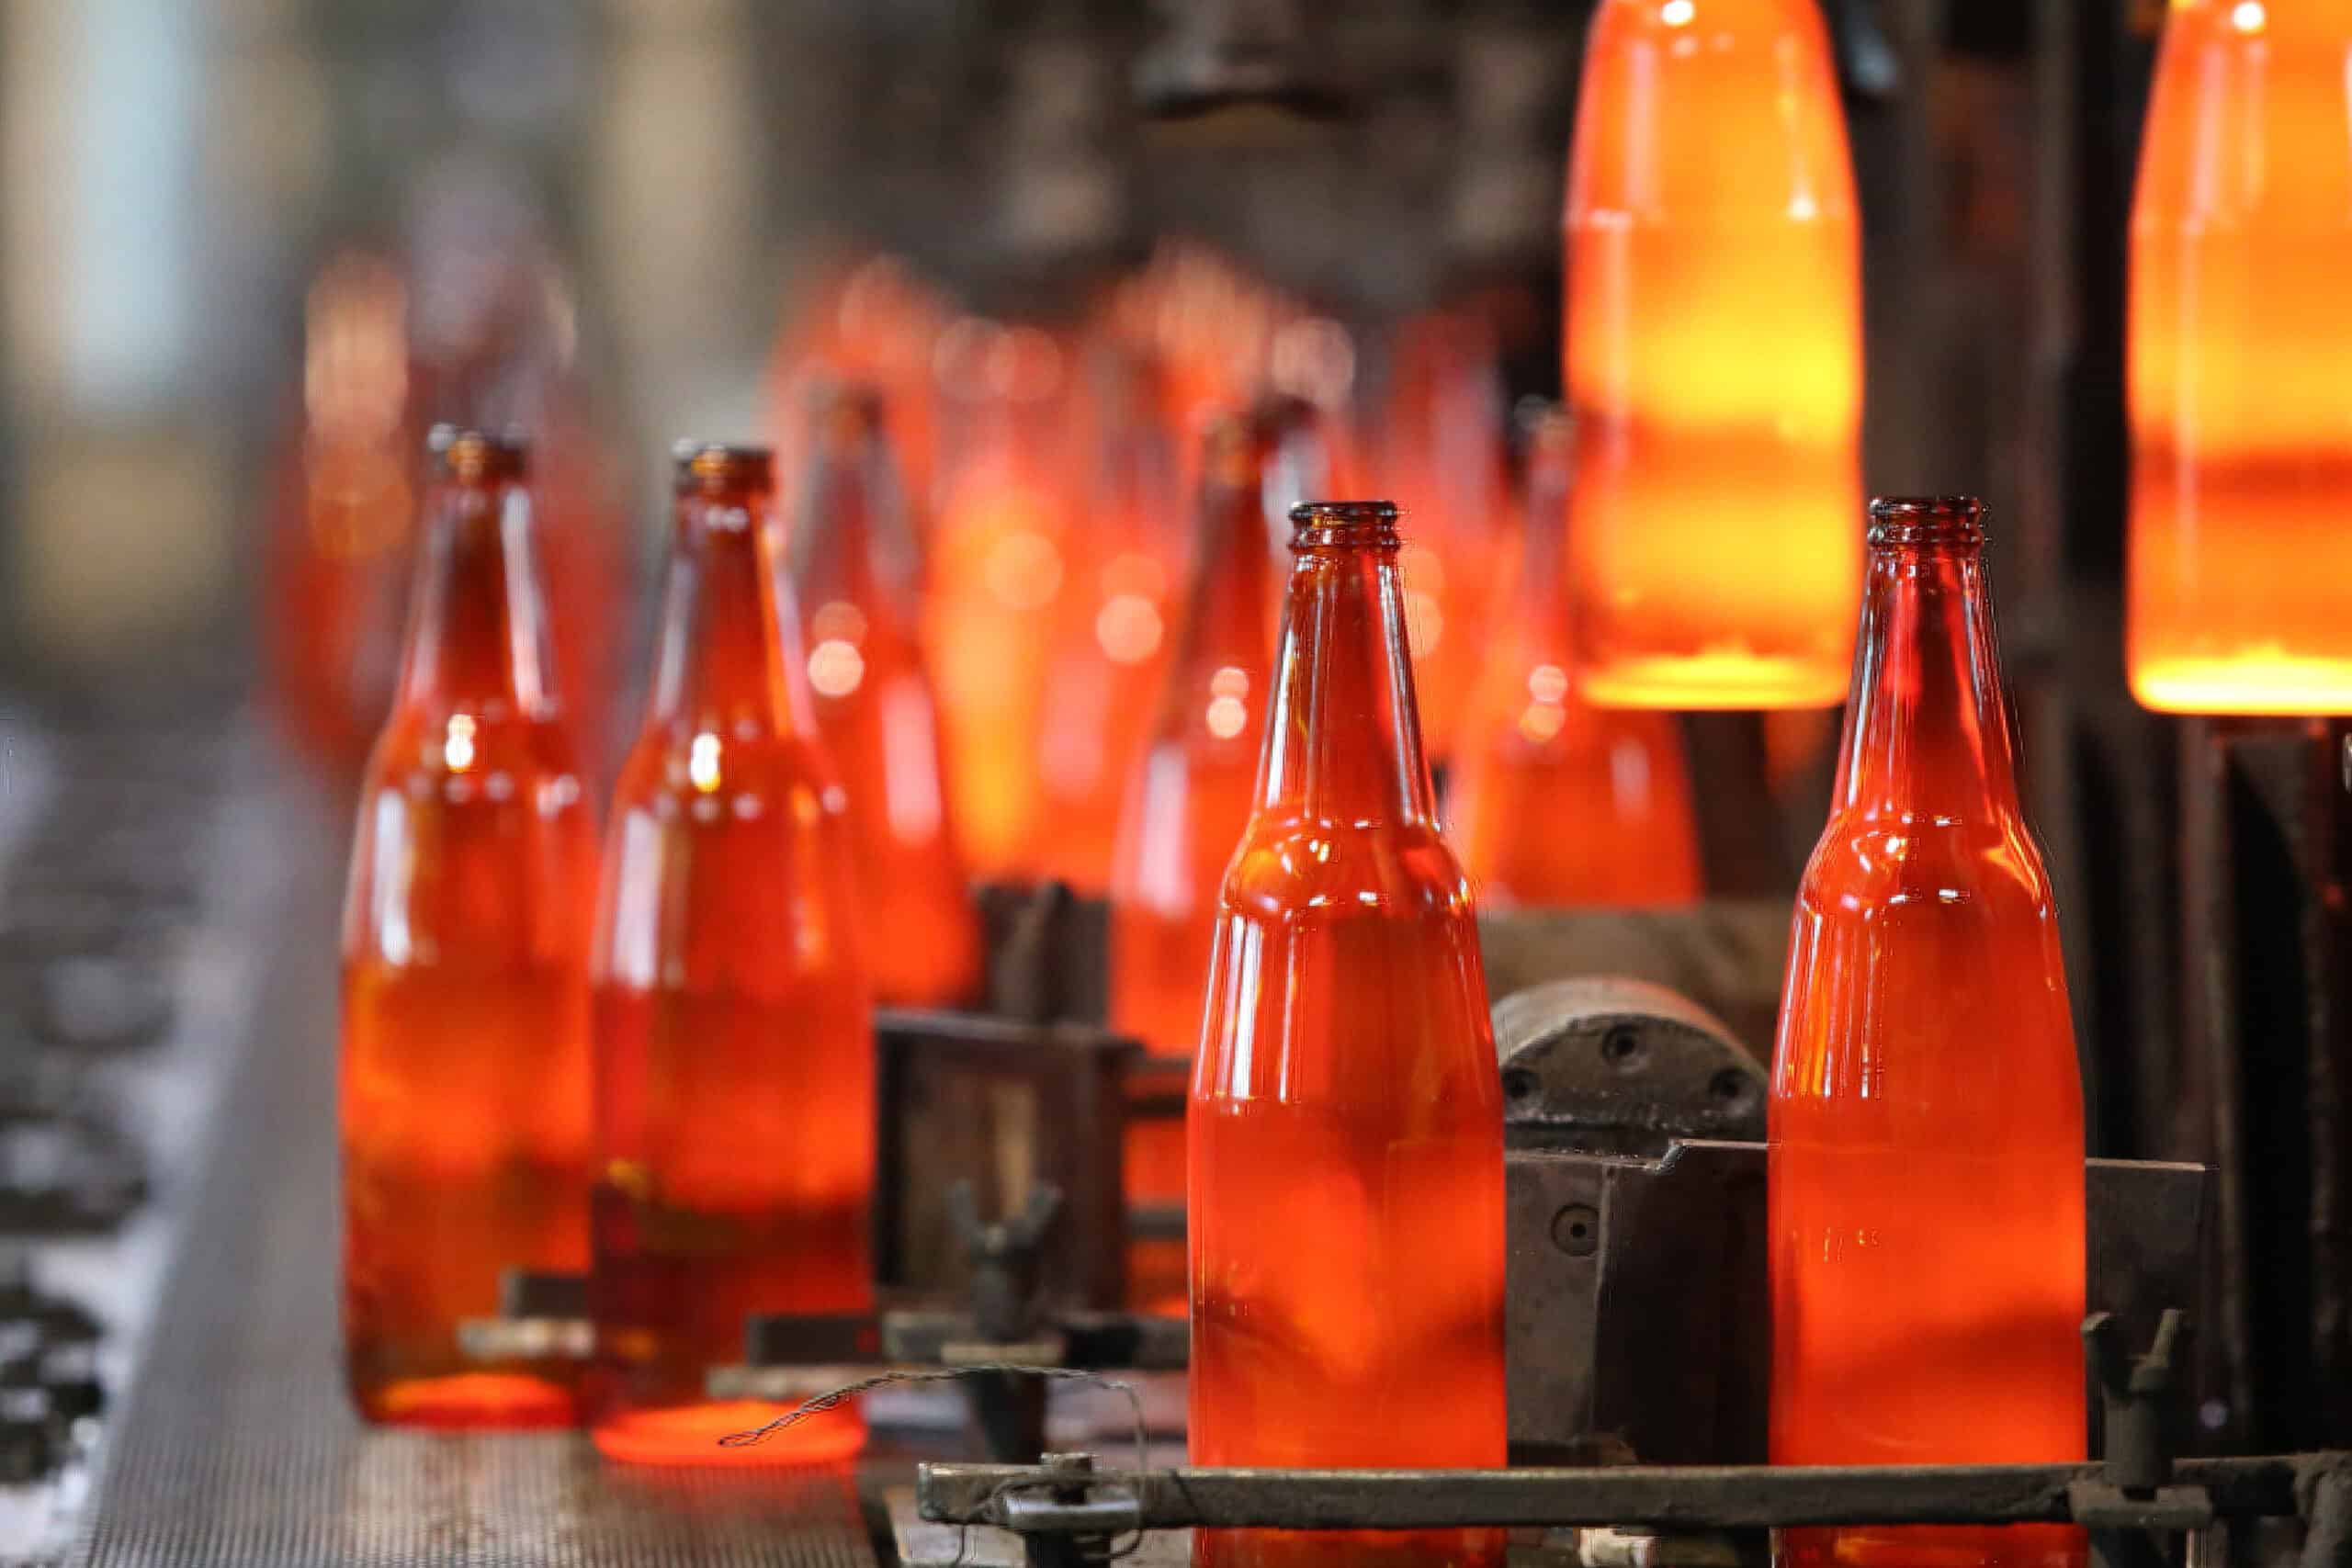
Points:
(237, 1448)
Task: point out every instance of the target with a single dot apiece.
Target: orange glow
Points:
(1925, 1174)
(1557, 802)
(875, 322)
(1346, 1119)
(1000, 562)
(465, 1083)
(1714, 362)
(2241, 430)
(735, 1065)
(1189, 801)
(853, 562)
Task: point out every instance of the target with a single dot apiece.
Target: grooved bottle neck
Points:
(478, 622)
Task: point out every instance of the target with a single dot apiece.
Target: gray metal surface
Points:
(236, 1447)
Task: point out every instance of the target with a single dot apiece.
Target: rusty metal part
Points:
(1604, 1065)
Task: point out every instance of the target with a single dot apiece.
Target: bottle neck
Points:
(1225, 611)
(1543, 569)
(1344, 741)
(724, 667)
(851, 539)
(478, 627)
(1929, 733)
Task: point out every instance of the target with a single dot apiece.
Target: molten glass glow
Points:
(853, 559)
(1926, 1169)
(1611, 782)
(465, 1085)
(735, 1066)
(1714, 361)
(2241, 430)
(1346, 1128)
(1189, 801)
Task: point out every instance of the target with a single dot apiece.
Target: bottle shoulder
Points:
(1890, 859)
(1302, 866)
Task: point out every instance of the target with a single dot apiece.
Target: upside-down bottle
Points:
(1346, 1165)
(465, 1082)
(1613, 779)
(2240, 355)
(734, 1048)
(854, 579)
(1926, 1168)
(1189, 800)
(1714, 359)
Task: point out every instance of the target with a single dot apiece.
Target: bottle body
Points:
(735, 1097)
(1713, 359)
(1345, 1137)
(2241, 437)
(464, 1095)
(1926, 1160)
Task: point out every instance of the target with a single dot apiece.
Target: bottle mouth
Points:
(716, 467)
(1926, 520)
(475, 456)
(1324, 523)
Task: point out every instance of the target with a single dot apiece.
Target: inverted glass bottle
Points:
(734, 1048)
(1714, 359)
(1346, 1170)
(1925, 1165)
(1557, 802)
(2241, 432)
(1186, 808)
(855, 571)
(465, 1056)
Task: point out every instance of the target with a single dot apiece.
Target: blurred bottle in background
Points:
(465, 1083)
(1188, 801)
(734, 1046)
(1555, 803)
(1346, 1165)
(856, 580)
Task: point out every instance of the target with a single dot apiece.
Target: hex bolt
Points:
(1621, 1047)
(1575, 1230)
(1518, 1083)
(1728, 1084)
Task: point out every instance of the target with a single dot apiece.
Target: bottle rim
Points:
(1343, 523)
(714, 467)
(1900, 520)
(479, 457)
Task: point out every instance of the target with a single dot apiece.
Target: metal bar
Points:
(1675, 1497)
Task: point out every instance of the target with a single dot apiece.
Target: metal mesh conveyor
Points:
(235, 1446)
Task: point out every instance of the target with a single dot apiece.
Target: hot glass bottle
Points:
(1714, 359)
(856, 576)
(2240, 351)
(1190, 801)
(465, 1081)
(1926, 1165)
(1557, 802)
(734, 1053)
(1346, 1166)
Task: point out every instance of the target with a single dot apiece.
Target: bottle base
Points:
(2255, 683)
(1922, 1546)
(472, 1401)
(1714, 678)
(1348, 1549)
(691, 1434)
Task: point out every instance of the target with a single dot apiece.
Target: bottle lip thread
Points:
(1897, 520)
(477, 456)
(1316, 523)
(720, 468)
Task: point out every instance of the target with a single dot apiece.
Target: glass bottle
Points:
(1613, 781)
(1926, 1167)
(1346, 1166)
(465, 1056)
(2241, 433)
(1189, 800)
(854, 565)
(1714, 359)
(734, 1049)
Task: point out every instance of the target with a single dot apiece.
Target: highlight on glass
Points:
(1925, 1176)
(2241, 430)
(463, 1098)
(1345, 1159)
(735, 1133)
(1714, 358)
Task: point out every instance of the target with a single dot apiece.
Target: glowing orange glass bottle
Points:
(1925, 1173)
(854, 569)
(1714, 359)
(1190, 799)
(734, 1048)
(1346, 1165)
(1611, 781)
(465, 1085)
(2241, 433)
